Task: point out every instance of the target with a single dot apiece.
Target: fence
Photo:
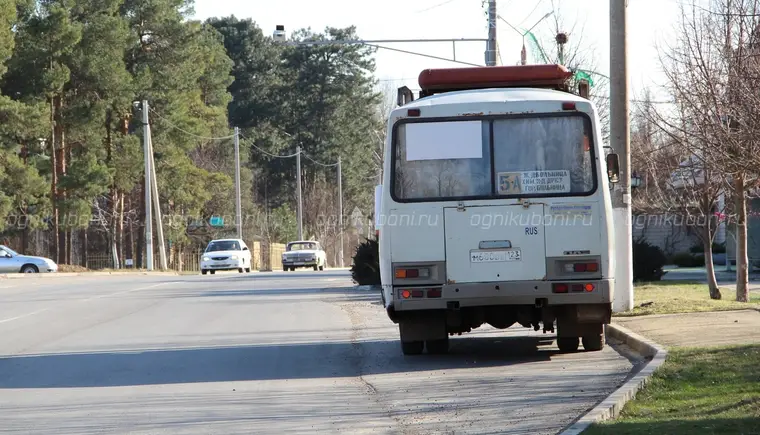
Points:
(90, 249)
(189, 261)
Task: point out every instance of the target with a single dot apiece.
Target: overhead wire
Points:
(250, 142)
(434, 6)
(187, 132)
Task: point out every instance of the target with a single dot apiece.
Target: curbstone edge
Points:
(611, 407)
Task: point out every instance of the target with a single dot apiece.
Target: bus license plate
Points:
(495, 256)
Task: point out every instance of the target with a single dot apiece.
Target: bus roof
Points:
(508, 95)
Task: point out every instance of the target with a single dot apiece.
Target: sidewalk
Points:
(717, 328)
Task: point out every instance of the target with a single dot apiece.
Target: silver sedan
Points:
(13, 262)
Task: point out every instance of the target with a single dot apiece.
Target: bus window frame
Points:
(493, 195)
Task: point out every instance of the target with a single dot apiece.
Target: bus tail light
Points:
(559, 288)
(575, 288)
(568, 106)
(419, 293)
(412, 273)
(434, 293)
(581, 267)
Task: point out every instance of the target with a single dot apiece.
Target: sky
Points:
(650, 23)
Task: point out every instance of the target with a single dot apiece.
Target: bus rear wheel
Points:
(412, 347)
(594, 342)
(568, 344)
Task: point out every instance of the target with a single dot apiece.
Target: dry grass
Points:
(679, 297)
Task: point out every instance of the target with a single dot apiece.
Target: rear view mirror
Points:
(613, 168)
(245, 249)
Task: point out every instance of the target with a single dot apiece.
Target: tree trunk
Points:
(742, 267)
(712, 282)
(120, 229)
(25, 237)
(114, 228)
(54, 179)
(69, 246)
(60, 170)
(84, 248)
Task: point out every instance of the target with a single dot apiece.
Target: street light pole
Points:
(238, 205)
(620, 143)
(298, 188)
(156, 204)
(148, 214)
(491, 46)
(340, 209)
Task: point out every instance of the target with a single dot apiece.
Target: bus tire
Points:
(412, 347)
(568, 344)
(593, 343)
(438, 347)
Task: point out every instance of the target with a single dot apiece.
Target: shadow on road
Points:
(259, 362)
(348, 291)
(300, 275)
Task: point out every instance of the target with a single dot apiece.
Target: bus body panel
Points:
(495, 243)
(465, 259)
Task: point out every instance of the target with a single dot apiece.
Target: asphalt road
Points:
(278, 353)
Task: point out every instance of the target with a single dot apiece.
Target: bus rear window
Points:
(532, 156)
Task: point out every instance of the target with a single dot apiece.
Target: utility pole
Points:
(238, 205)
(156, 204)
(340, 207)
(620, 142)
(491, 45)
(148, 215)
(300, 200)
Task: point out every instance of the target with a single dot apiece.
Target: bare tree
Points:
(679, 179)
(713, 75)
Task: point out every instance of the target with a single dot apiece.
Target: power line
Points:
(321, 164)
(434, 6)
(606, 97)
(250, 142)
(187, 132)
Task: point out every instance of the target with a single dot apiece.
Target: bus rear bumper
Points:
(455, 296)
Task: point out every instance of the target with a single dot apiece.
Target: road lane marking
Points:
(24, 315)
(86, 300)
(128, 291)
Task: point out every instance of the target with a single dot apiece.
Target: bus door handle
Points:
(495, 244)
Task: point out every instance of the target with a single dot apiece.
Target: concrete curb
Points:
(610, 407)
(367, 287)
(72, 274)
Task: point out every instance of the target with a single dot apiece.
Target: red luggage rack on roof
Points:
(436, 81)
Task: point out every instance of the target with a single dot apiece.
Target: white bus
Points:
(495, 208)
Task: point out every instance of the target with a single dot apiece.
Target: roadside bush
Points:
(717, 248)
(685, 259)
(365, 269)
(648, 261)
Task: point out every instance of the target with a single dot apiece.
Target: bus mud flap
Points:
(422, 326)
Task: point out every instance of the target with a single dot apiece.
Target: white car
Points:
(13, 262)
(226, 254)
(305, 253)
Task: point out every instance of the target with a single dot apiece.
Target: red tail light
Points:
(417, 293)
(568, 106)
(582, 267)
(559, 288)
(434, 293)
